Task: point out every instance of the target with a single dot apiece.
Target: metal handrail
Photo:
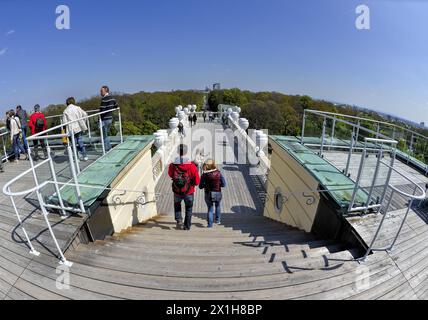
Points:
(423, 192)
(378, 134)
(365, 119)
(7, 191)
(412, 198)
(71, 122)
(60, 115)
(46, 135)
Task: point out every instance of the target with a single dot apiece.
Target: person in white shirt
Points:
(16, 136)
(76, 129)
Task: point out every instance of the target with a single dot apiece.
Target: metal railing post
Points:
(120, 127)
(88, 124)
(332, 133)
(376, 173)
(402, 223)
(357, 183)
(388, 177)
(303, 127)
(76, 181)
(323, 136)
(57, 190)
(351, 147)
(357, 135)
(73, 143)
(63, 261)
(102, 135)
(30, 157)
(378, 230)
(27, 238)
(5, 149)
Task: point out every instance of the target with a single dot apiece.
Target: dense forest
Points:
(145, 113)
(142, 113)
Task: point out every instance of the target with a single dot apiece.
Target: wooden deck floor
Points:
(247, 257)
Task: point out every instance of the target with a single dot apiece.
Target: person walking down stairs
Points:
(185, 178)
(212, 181)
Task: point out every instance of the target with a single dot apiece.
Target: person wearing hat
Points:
(38, 124)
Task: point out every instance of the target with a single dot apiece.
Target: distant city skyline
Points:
(300, 47)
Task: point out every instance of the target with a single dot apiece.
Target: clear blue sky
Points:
(292, 46)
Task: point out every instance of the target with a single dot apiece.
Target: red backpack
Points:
(181, 181)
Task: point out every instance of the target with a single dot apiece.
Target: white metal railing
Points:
(412, 198)
(142, 200)
(71, 151)
(4, 133)
(379, 204)
(376, 122)
(380, 152)
(328, 138)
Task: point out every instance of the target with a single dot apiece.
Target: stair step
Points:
(219, 241)
(258, 255)
(192, 268)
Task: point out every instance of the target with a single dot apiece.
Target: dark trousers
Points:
(188, 201)
(36, 144)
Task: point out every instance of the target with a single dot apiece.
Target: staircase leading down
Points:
(244, 257)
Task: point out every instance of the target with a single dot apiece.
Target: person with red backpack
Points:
(38, 124)
(185, 177)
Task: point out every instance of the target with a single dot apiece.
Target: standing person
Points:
(212, 181)
(16, 136)
(107, 103)
(195, 119)
(76, 129)
(181, 130)
(22, 115)
(185, 177)
(190, 120)
(8, 129)
(38, 124)
(204, 115)
(7, 121)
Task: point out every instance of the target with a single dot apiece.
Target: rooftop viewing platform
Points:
(317, 216)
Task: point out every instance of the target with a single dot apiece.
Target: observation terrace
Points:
(337, 213)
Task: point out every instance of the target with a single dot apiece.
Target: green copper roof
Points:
(339, 186)
(104, 170)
